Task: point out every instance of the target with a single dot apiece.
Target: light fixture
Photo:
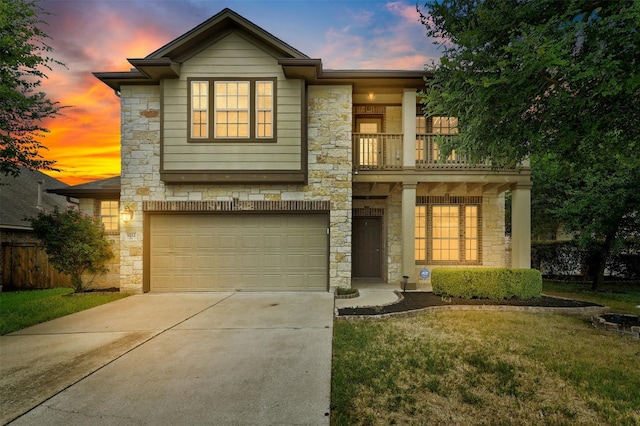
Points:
(371, 96)
(126, 215)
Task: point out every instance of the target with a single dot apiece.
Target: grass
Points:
(478, 367)
(622, 298)
(22, 309)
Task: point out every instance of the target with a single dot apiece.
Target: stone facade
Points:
(329, 160)
(112, 277)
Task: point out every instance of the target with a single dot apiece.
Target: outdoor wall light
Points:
(371, 96)
(126, 215)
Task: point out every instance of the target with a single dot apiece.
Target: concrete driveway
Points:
(197, 358)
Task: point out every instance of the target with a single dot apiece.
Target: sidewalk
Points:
(374, 293)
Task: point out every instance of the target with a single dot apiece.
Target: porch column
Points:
(408, 233)
(409, 128)
(521, 226)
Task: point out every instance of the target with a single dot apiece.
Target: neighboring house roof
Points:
(104, 189)
(19, 198)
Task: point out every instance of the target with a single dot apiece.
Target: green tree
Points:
(75, 244)
(23, 59)
(557, 82)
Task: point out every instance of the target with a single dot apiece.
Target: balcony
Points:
(383, 151)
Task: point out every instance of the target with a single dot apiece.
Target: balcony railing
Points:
(377, 151)
(383, 151)
(428, 153)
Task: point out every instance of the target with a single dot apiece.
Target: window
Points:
(264, 109)
(444, 125)
(471, 232)
(200, 109)
(447, 230)
(368, 146)
(109, 215)
(231, 110)
(426, 130)
(421, 131)
(421, 232)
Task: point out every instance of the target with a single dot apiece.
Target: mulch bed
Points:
(419, 300)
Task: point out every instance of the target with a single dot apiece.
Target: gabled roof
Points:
(165, 62)
(219, 25)
(19, 198)
(105, 189)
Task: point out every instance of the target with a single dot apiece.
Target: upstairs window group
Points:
(231, 110)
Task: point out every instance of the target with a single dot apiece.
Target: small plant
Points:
(343, 291)
(75, 243)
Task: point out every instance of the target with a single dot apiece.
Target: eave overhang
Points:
(362, 81)
(146, 72)
(105, 189)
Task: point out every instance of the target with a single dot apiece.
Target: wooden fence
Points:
(26, 266)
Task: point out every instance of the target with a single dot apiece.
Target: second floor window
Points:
(428, 129)
(229, 110)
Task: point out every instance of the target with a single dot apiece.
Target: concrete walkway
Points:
(374, 293)
(197, 358)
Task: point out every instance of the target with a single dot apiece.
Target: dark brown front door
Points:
(366, 247)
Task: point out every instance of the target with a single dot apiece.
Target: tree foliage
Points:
(557, 82)
(75, 243)
(23, 61)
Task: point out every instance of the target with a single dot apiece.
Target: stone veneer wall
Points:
(329, 159)
(330, 167)
(112, 277)
(493, 239)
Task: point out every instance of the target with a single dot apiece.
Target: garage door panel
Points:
(316, 261)
(272, 241)
(238, 252)
(227, 241)
(273, 260)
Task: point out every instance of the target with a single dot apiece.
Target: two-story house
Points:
(248, 166)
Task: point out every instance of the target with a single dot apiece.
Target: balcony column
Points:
(409, 128)
(408, 233)
(521, 226)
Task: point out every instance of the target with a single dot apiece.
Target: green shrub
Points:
(487, 283)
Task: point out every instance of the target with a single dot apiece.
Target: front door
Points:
(366, 247)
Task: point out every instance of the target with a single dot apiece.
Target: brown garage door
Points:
(252, 252)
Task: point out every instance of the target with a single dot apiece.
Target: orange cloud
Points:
(85, 140)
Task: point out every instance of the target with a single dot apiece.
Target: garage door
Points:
(253, 252)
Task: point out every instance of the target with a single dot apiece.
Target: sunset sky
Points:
(99, 35)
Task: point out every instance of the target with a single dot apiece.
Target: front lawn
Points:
(623, 298)
(479, 367)
(22, 309)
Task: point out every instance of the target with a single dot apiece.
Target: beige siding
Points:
(232, 56)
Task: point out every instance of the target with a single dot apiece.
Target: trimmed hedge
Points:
(487, 283)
